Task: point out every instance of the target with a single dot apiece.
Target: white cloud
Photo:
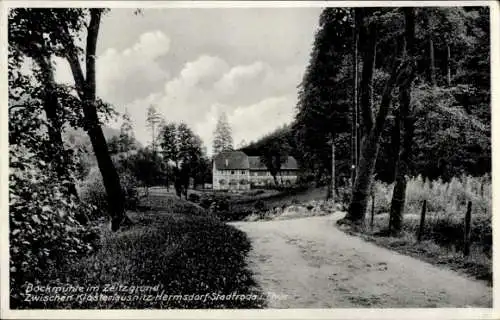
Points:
(194, 64)
(117, 72)
(249, 122)
(236, 77)
(256, 120)
(135, 67)
(255, 97)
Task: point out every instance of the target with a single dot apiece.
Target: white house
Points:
(234, 170)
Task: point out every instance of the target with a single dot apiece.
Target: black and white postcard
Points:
(248, 159)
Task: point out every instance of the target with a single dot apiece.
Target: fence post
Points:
(468, 218)
(373, 211)
(422, 221)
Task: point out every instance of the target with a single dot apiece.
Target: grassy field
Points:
(188, 259)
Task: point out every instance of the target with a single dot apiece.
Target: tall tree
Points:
(405, 115)
(86, 88)
(61, 28)
(355, 133)
(321, 111)
(168, 143)
(223, 139)
(27, 38)
(184, 148)
(153, 120)
(372, 126)
(273, 155)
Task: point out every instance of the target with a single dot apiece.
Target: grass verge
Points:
(178, 260)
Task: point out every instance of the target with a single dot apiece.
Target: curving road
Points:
(309, 263)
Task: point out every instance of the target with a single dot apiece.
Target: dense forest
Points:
(438, 122)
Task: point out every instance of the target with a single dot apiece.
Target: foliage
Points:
(145, 166)
(125, 141)
(44, 231)
(193, 197)
(321, 111)
(181, 146)
(448, 141)
(153, 119)
(223, 140)
(168, 142)
(92, 191)
(182, 254)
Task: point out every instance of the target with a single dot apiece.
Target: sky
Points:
(195, 63)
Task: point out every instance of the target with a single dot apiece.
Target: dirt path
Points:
(309, 263)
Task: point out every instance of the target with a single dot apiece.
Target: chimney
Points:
(227, 162)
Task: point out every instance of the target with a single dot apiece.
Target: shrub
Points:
(193, 197)
(43, 230)
(219, 204)
(92, 191)
(260, 205)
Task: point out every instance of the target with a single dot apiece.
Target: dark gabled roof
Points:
(230, 160)
(256, 164)
(290, 164)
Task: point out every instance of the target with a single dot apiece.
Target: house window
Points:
(232, 172)
(242, 171)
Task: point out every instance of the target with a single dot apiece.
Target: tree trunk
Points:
(275, 180)
(366, 83)
(448, 65)
(369, 153)
(432, 62)
(399, 192)
(355, 111)
(51, 106)
(367, 36)
(333, 196)
(396, 142)
(86, 88)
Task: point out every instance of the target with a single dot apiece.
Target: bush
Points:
(214, 202)
(260, 206)
(193, 197)
(219, 205)
(43, 230)
(92, 191)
